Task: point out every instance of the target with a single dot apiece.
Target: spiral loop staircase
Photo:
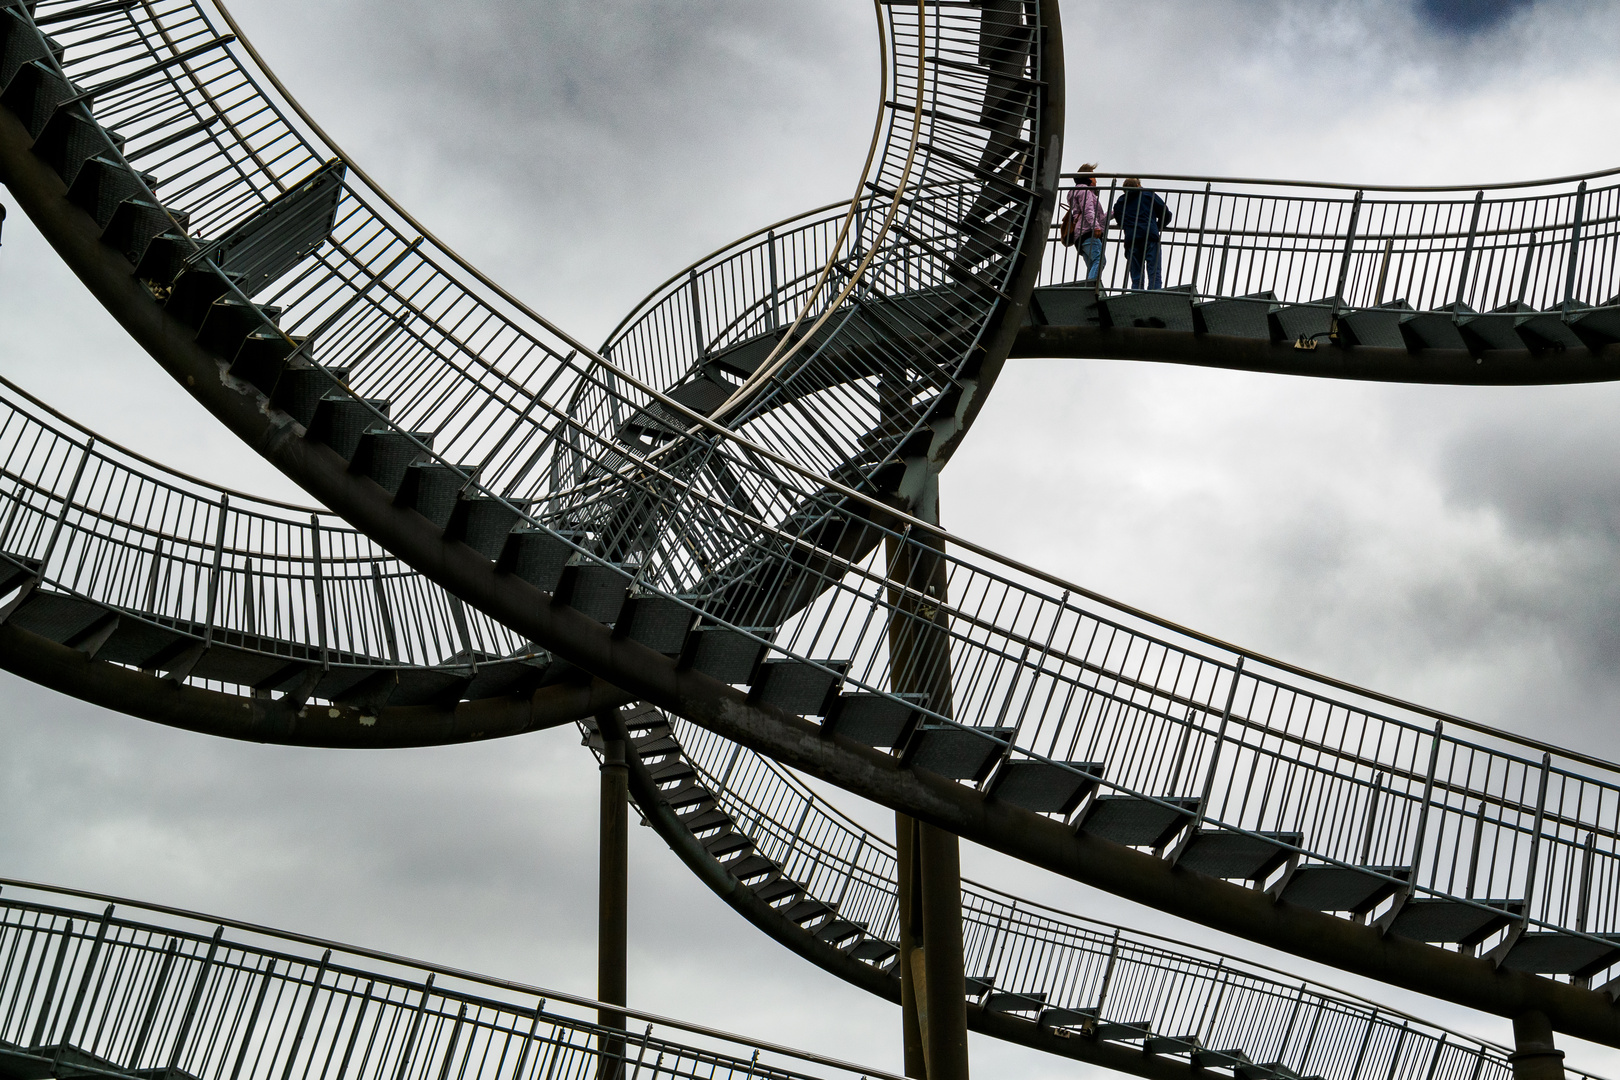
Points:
(728, 511)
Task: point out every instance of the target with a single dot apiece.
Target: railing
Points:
(1119, 976)
(121, 989)
(1540, 246)
(105, 525)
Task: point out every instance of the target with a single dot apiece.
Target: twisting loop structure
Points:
(728, 512)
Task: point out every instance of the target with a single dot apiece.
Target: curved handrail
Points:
(213, 1003)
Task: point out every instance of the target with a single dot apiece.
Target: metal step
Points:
(431, 488)
(483, 524)
(1002, 1001)
(837, 931)
(796, 686)
(1312, 321)
(1598, 326)
(1441, 921)
(1549, 330)
(1069, 305)
(876, 720)
(34, 92)
(1243, 316)
(383, 454)
(1438, 329)
(1219, 1059)
(874, 951)
(539, 556)
(958, 753)
(1046, 787)
(659, 622)
(725, 654)
(1552, 953)
(1355, 889)
(1376, 327)
(1238, 855)
(299, 389)
(228, 321)
(596, 590)
(72, 137)
(263, 356)
(1158, 309)
(135, 224)
(1495, 329)
(1173, 1044)
(1137, 822)
(781, 889)
(102, 183)
(340, 419)
(727, 844)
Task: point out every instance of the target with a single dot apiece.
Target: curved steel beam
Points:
(263, 720)
(1453, 367)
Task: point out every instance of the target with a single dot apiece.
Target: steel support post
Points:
(910, 918)
(1534, 1056)
(933, 987)
(613, 903)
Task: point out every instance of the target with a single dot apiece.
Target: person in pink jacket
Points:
(1090, 223)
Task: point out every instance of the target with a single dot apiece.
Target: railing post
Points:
(613, 896)
(409, 1048)
(698, 342)
(1422, 826)
(1383, 272)
(253, 1018)
(49, 999)
(309, 1010)
(218, 568)
(770, 245)
(1468, 251)
(1349, 251)
(1198, 251)
(196, 997)
(156, 999)
(390, 635)
(1215, 754)
(1529, 265)
(67, 504)
(1108, 974)
(1575, 245)
(318, 580)
(84, 986)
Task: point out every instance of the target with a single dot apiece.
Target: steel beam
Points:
(613, 898)
(1450, 367)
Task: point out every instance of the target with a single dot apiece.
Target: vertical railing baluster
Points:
(49, 1000)
(152, 1005)
(196, 997)
(776, 317)
(1349, 252)
(309, 1010)
(67, 504)
(1529, 264)
(317, 579)
(1215, 754)
(698, 341)
(1575, 245)
(416, 1026)
(1383, 272)
(1198, 250)
(84, 986)
(1461, 292)
(390, 635)
(253, 1019)
(218, 568)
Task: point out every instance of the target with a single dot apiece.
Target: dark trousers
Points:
(1142, 252)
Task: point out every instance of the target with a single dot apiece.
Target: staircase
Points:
(735, 541)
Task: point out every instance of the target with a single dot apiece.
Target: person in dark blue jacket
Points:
(1141, 214)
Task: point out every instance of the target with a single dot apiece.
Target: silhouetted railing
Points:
(124, 990)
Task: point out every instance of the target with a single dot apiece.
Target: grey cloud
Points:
(1470, 16)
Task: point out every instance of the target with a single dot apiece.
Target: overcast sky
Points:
(1454, 546)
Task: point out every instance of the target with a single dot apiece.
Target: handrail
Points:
(431, 968)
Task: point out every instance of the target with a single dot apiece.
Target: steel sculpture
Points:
(728, 511)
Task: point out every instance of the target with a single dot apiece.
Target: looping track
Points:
(725, 512)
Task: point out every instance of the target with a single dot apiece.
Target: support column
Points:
(910, 913)
(613, 902)
(1534, 1056)
(933, 986)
